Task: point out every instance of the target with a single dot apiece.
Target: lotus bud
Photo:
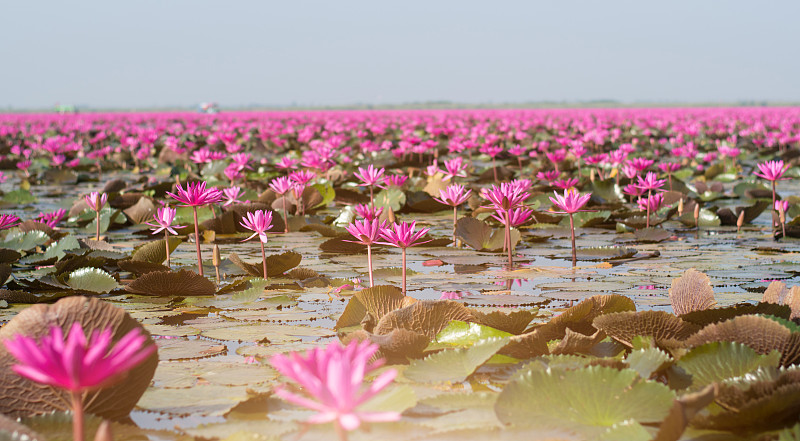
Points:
(591, 175)
(216, 259)
(680, 207)
(740, 221)
(104, 432)
(697, 215)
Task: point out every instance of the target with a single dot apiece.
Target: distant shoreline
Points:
(432, 105)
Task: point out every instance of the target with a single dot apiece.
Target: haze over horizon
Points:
(152, 54)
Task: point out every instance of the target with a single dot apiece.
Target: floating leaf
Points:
(652, 235)
(717, 361)
(93, 280)
(155, 251)
(19, 197)
(426, 317)
(25, 241)
(514, 322)
(458, 333)
(480, 236)
(585, 219)
(391, 197)
(661, 325)
(453, 365)
(647, 361)
(377, 301)
(605, 253)
(691, 292)
(22, 397)
(174, 284)
(277, 264)
(588, 400)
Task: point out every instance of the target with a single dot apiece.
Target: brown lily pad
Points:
(340, 245)
(277, 264)
(173, 284)
(142, 211)
(22, 397)
(661, 325)
(140, 267)
(691, 292)
(426, 317)
(514, 322)
(398, 346)
(377, 301)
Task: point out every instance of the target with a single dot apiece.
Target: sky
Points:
(167, 53)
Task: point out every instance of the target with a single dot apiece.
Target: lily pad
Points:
(453, 365)
(93, 280)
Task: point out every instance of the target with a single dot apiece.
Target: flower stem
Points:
(369, 265)
(197, 242)
(455, 220)
(77, 416)
(508, 241)
(166, 244)
(285, 217)
(340, 432)
(572, 233)
(404, 271)
(97, 227)
(647, 222)
(264, 258)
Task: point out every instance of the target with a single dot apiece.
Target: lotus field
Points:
(597, 274)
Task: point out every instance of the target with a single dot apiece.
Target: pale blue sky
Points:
(147, 53)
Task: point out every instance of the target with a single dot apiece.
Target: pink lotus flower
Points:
(571, 202)
(454, 195)
(450, 295)
(8, 220)
(514, 217)
(368, 212)
(771, 170)
(565, 183)
(232, 195)
(781, 206)
(367, 232)
(287, 163)
(332, 381)
(650, 182)
(302, 177)
(259, 222)
(370, 176)
(652, 203)
(164, 217)
(454, 168)
(52, 218)
(549, 176)
(641, 164)
(77, 364)
(281, 185)
(394, 181)
(403, 236)
(196, 195)
(96, 200)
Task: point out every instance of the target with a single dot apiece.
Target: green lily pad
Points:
(156, 251)
(589, 400)
(93, 280)
(718, 361)
(459, 333)
(25, 241)
(454, 365)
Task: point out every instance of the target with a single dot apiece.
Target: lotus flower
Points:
(232, 195)
(332, 381)
(772, 171)
(164, 217)
(7, 221)
(403, 236)
(96, 201)
(370, 177)
(571, 202)
(259, 222)
(196, 195)
(367, 232)
(77, 364)
(281, 186)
